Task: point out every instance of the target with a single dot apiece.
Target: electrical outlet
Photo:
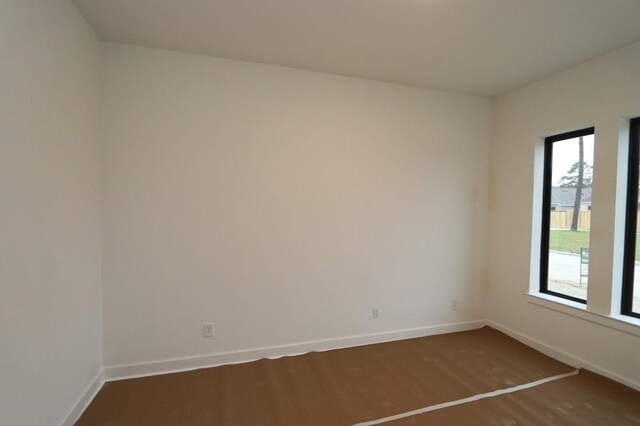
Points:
(375, 313)
(207, 330)
(454, 304)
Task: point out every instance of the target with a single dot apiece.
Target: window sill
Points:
(622, 323)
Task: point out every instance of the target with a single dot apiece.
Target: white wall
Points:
(604, 92)
(50, 322)
(283, 205)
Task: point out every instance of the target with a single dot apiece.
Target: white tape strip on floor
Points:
(469, 399)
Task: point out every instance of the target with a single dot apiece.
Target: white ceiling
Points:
(485, 47)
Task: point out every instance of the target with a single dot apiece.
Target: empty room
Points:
(319, 212)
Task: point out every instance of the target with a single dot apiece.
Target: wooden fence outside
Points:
(562, 219)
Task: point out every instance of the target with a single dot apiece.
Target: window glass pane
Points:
(635, 304)
(631, 275)
(570, 216)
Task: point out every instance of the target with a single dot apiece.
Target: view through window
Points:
(568, 177)
(631, 273)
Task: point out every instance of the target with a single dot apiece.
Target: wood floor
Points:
(366, 383)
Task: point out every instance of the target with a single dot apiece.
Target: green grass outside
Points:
(571, 241)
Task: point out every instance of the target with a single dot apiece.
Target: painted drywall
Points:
(282, 205)
(604, 93)
(50, 249)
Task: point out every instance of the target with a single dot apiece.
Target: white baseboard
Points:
(563, 356)
(175, 365)
(85, 399)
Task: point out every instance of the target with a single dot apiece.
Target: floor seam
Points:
(473, 398)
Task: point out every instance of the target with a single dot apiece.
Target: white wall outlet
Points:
(375, 313)
(207, 330)
(454, 304)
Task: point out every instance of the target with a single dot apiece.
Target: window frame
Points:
(631, 220)
(546, 210)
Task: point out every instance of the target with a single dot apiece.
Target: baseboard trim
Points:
(563, 356)
(85, 399)
(176, 365)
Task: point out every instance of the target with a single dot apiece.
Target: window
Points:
(568, 175)
(631, 271)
